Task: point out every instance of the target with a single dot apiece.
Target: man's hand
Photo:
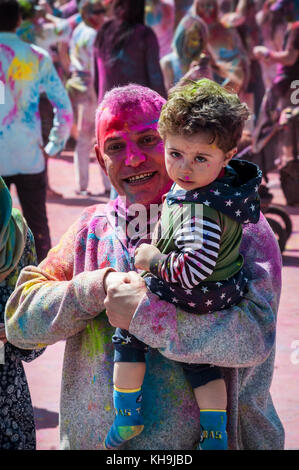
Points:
(261, 53)
(144, 255)
(123, 297)
(3, 338)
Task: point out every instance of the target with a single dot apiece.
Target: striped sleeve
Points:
(198, 244)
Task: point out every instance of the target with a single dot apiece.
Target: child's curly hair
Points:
(204, 107)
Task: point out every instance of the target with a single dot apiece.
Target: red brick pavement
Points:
(44, 374)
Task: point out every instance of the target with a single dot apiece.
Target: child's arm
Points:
(197, 242)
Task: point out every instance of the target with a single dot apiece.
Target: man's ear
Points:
(100, 158)
(229, 155)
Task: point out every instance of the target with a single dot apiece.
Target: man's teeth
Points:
(139, 177)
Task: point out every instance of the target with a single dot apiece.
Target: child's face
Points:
(192, 162)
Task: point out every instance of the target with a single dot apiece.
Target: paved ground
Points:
(44, 374)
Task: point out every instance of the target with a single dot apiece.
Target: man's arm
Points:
(241, 336)
(287, 57)
(63, 114)
(49, 303)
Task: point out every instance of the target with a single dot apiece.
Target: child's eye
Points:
(175, 154)
(200, 159)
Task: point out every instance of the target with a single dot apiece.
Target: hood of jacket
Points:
(235, 194)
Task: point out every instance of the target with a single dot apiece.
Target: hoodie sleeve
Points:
(49, 304)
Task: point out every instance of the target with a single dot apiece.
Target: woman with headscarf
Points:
(188, 58)
(225, 46)
(17, 250)
(127, 51)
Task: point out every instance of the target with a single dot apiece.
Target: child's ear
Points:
(229, 155)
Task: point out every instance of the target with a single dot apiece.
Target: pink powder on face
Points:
(131, 99)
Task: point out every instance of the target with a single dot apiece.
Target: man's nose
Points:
(134, 157)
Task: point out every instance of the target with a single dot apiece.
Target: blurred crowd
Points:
(249, 46)
(98, 44)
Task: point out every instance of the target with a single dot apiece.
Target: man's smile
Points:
(141, 178)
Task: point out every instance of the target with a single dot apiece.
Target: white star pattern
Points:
(238, 213)
(128, 339)
(188, 291)
(237, 287)
(174, 300)
(217, 193)
(192, 304)
(172, 289)
(223, 296)
(218, 284)
(256, 188)
(159, 293)
(205, 289)
(206, 203)
(252, 207)
(238, 194)
(229, 202)
(246, 221)
(195, 195)
(245, 200)
(228, 300)
(208, 302)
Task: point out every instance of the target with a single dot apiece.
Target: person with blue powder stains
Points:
(26, 70)
(189, 57)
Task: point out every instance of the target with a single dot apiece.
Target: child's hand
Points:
(144, 255)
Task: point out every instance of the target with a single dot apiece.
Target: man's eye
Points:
(149, 140)
(115, 147)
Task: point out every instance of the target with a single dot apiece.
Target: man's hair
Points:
(204, 107)
(131, 99)
(10, 13)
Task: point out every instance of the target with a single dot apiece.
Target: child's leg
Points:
(212, 401)
(127, 378)
(210, 393)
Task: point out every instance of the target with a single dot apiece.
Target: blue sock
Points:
(213, 430)
(128, 422)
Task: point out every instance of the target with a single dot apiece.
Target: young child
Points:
(194, 260)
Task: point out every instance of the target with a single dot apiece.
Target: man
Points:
(160, 16)
(26, 71)
(279, 96)
(225, 45)
(81, 89)
(64, 298)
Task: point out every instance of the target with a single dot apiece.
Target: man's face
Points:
(131, 152)
(94, 15)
